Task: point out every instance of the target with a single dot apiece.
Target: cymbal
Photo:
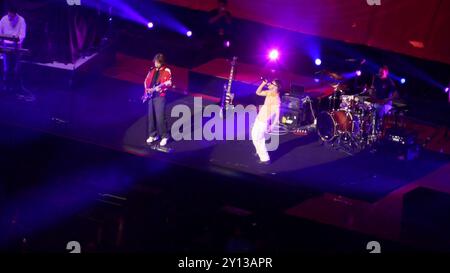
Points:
(335, 76)
(399, 103)
(363, 97)
(375, 100)
(339, 86)
(330, 75)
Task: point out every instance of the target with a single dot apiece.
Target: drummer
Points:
(383, 91)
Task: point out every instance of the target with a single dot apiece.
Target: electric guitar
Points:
(227, 98)
(149, 92)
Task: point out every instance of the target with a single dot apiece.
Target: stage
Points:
(75, 165)
(362, 193)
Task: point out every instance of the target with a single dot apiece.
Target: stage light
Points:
(189, 33)
(358, 73)
(227, 43)
(150, 25)
(316, 80)
(402, 80)
(446, 90)
(110, 19)
(318, 61)
(274, 55)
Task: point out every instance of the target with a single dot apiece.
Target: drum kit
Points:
(350, 123)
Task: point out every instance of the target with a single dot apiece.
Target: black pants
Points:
(157, 125)
(11, 72)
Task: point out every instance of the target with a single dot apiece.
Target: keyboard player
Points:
(13, 26)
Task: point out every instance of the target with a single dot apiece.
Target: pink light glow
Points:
(274, 54)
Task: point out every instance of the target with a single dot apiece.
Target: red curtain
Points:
(414, 27)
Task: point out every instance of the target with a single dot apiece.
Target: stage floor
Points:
(362, 192)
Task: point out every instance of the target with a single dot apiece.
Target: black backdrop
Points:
(59, 32)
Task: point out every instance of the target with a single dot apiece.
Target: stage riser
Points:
(64, 78)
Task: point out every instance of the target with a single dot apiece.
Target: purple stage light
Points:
(358, 73)
(227, 43)
(446, 90)
(150, 25)
(402, 80)
(189, 33)
(318, 61)
(316, 80)
(274, 54)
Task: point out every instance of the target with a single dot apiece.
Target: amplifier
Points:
(290, 118)
(400, 136)
(292, 101)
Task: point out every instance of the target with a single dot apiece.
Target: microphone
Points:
(265, 79)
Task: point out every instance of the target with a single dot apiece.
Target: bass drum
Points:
(330, 124)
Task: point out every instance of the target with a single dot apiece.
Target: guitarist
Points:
(158, 80)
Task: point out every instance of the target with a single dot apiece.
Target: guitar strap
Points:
(155, 78)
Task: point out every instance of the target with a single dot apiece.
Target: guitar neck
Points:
(230, 79)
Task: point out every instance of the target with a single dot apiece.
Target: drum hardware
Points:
(398, 138)
(399, 108)
(350, 123)
(350, 128)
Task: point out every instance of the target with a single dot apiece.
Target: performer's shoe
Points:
(152, 139)
(264, 162)
(164, 141)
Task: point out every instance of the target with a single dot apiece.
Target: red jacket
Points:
(164, 75)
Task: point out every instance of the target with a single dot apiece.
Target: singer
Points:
(267, 118)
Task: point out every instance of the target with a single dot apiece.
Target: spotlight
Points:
(227, 43)
(189, 33)
(446, 90)
(316, 80)
(318, 61)
(274, 55)
(110, 19)
(150, 25)
(358, 73)
(402, 80)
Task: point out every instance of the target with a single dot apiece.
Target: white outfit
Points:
(16, 28)
(259, 140)
(268, 116)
